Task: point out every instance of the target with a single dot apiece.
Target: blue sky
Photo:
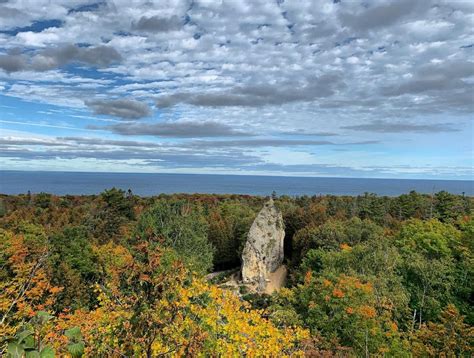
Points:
(306, 88)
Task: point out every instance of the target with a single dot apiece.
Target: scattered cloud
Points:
(158, 24)
(302, 132)
(445, 76)
(380, 126)
(259, 95)
(99, 56)
(270, 142)
(12, 63)
(109, 142)
(175, 129)
(51, 58)
(377, 15)
(126, 109)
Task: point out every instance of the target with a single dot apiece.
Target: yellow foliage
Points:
(345, 247)
(187, 316)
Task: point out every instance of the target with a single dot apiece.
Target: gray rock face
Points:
(263, 252)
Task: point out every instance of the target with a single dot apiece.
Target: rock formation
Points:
(263, 252)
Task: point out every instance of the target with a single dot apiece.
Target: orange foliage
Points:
(28, 289)
(367, 312)
(337, 293)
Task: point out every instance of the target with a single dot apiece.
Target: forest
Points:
(118, 275)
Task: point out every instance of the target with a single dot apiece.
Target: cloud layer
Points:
(260, 86)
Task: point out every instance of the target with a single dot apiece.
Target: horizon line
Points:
(234, 174)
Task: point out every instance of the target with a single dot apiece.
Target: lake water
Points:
(60, 183)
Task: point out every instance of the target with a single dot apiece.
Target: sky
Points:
(339, 88)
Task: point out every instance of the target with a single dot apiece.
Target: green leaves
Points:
(15, 350)
(47, 352)
(76, 345)
(73, 333)
(26, 342)
(25, 348)
(42, 317)
(76, 349)
(74, 266)
(431, 238)
(27, 337)
(429, 250)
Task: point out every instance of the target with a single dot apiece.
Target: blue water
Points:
(60, 183)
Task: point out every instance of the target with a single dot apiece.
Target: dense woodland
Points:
(119, 275)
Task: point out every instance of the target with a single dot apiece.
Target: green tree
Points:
(375, 261)
(428, 248)
(229, 224)
(119, 202)
(3, 208)
(370, 206)
(412, 205)
(448, 206)
(42, 200)
(464, 282)
(74, 266)
(114, 209)
(332, 234)
(179, 225)
(431, 238)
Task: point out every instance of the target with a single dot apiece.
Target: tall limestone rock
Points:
(263, 252)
